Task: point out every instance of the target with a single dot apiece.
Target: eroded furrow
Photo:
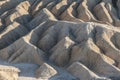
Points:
(79, 36)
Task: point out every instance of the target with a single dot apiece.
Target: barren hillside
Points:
(59, 39)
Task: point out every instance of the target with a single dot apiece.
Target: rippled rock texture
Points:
(61, 39)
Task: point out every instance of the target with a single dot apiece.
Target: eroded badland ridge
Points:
(59, 40)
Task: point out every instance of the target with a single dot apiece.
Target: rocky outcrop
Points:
(78, 37)
(84, 13)
(20, 14)
(61, 52)
(69, 13)
(11, 34)
(25, 52)
(83, 73)
(102, 13)
(8, 73)
(43, 15)
(89, 54)
(45, 71)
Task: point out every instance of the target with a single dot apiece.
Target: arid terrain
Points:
(59, 39)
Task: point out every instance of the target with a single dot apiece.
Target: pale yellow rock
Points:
(25, 5)
(8, 73)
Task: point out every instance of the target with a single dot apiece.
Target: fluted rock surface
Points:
(60, 39)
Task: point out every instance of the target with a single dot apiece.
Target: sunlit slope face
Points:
(80, 36)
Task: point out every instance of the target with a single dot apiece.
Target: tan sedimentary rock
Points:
(48, 40)
(80, 38)
(51, 5)
(108, 42)
(89, 54)
(41, 16)
(11, 34)
(113, 12)
(102, 13)
(58, 8)
(8, 73)
(23, 52)
(61, 52)
(39, 5)
(84, 13)
(68, 14)
(9, 4)
(25, 5)
(19, 14)
(92, 3)
(45, 71)
(83, 73)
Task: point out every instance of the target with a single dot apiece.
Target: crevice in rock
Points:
(114, 2)
(94, 33)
